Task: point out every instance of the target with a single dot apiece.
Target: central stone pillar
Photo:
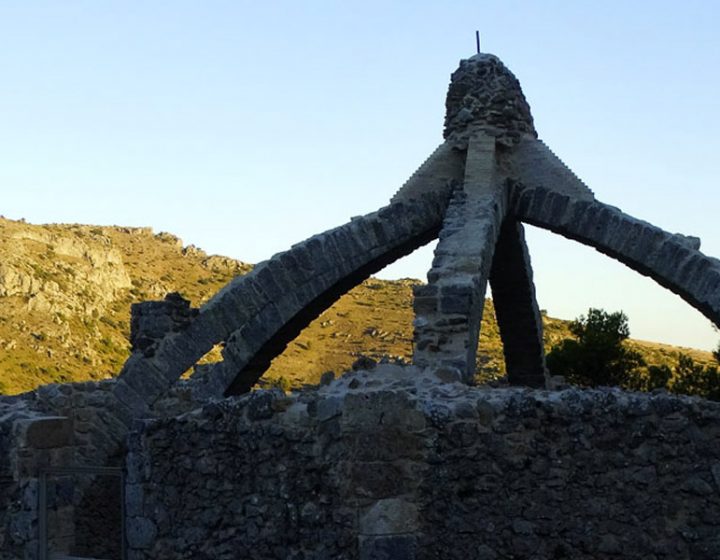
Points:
(448, 310)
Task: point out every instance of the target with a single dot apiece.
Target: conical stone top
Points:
(485, 95)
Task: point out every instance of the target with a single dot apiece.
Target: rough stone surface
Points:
(411, 467)
(150, 321)
(484, 94)
(77, 424)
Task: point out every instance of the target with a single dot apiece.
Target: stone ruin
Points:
(387, 462)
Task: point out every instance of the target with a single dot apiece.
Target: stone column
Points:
(448, 310)
(516, 308)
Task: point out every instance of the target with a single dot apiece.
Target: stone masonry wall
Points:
(68, 425)
(397, 464)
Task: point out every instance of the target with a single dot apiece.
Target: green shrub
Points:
(597, 355)
(690, 378)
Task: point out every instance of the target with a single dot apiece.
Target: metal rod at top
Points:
(477, 41)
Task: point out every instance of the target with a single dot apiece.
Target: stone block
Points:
(455, 304)
(574, 218)
(302, 256)
(535, 208)
(391, 516)
(141, 532)
(649, 240)
(329, 407)
(522, 201)
(380, 232)
(425, 305)
(425, 290)
(177, 353)
(273, 285)
(237, 350)
(292, 267)
(459, 289)
(693, 271)
(397, 547)
(624, 235)
(362, 229)
(557, 207)
(45, 432)
(316, 252)
(147, 381)
(255, 334)
(136, 403)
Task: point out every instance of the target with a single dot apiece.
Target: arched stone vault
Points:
(490, 174)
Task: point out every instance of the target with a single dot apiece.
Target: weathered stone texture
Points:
(397, 464)
(75, 424)
(484, 94)
(150, 321)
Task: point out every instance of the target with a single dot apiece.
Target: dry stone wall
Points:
(397, 464)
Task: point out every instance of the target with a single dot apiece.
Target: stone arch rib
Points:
(257, 314)
(672, 260)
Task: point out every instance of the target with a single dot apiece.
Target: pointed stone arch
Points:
(674, 261)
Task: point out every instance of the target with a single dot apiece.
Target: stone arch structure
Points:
(672, 260)
(473, 192)
(257, 314)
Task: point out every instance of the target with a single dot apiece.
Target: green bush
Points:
(690, 378)
(597, 355)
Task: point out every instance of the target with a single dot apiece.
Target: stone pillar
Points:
(516, 308)
(448, 310)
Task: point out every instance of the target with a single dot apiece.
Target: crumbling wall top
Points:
(485, 95)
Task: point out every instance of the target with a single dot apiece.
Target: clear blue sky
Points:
(244, 127)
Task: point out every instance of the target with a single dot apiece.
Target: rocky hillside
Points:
(66, 290)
